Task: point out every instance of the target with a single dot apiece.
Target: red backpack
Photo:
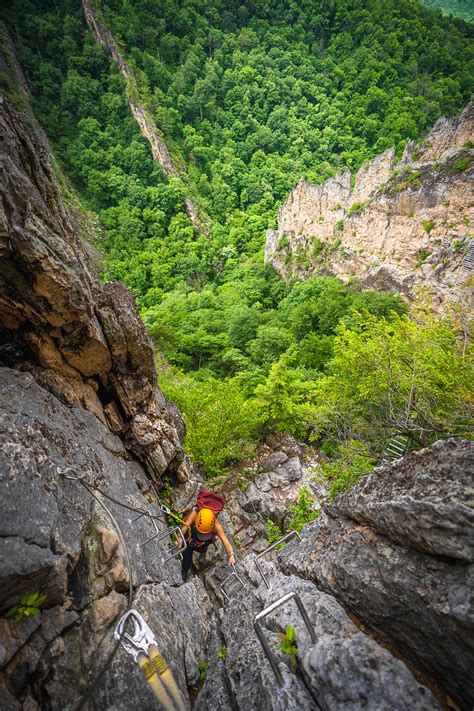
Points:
(209, 500)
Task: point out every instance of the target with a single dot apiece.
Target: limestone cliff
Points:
(396, 226)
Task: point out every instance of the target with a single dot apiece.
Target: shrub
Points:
(288, 643)
(221, 423)
(282, 243)
(354, 208)
(423, 254)
(303, 511)
(428, 225)
(461, 164)
(273, 532)
(345, 471)
(29, 606)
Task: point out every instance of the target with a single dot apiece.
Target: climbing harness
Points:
(270, 548)
(141, 644)
(261, 636)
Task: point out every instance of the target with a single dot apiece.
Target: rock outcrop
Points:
(402, 227)
(85, 440)
(402, 561)
(82, 340)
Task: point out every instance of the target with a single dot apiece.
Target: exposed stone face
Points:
(55, 539)
(344, 669)
(422, 502)
(395, 217)
(419, 601)
(89, 342)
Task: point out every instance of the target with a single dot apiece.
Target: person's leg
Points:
(187, 562)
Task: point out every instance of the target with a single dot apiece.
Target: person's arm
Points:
(225, 542)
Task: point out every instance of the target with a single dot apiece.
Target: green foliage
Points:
(29, 606)
(202, 666)
(250, 98)
(458, 8)
(423, 254)
(303, 511)
(222, 652)
(458, 245)
(221, 423)
(288, 643)
(428, 225)
(409, 377)
(461, 164)
(347, 467)
(355, 207)
(317, 248)
(274, 533)
(282, 400)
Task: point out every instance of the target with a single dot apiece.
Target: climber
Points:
(201, 528)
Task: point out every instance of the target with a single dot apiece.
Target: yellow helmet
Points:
(205, 521)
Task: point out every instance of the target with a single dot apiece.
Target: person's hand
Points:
(232, 560)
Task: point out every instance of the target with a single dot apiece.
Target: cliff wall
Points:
(397, 226)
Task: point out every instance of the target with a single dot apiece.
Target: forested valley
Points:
(249, 97)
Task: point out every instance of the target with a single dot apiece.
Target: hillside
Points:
(155, 141)
(401, 226)
(89, 447)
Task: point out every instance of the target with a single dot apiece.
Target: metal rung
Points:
(177, 553)
(261, 636)
(163, 534)
(226, 580)
(267, 550)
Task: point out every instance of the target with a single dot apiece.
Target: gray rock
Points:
(273, 460)
(26, 568)
(424, 501)
(419, 602)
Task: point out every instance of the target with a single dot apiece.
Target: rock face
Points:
(343, 669)
(393, 568)
(87, 340)
(402, 226)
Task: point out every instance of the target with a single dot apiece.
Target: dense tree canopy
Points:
(249, 96)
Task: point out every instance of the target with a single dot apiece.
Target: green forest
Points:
(250, 96)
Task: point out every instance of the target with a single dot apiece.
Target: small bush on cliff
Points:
(304, 511)
(345, 470)
(288, 643)
(461, 164)
(29, 606)
(428, 225)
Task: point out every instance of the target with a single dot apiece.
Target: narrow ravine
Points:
(140, 113)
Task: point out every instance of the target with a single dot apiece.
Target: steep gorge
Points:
(79, 397)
